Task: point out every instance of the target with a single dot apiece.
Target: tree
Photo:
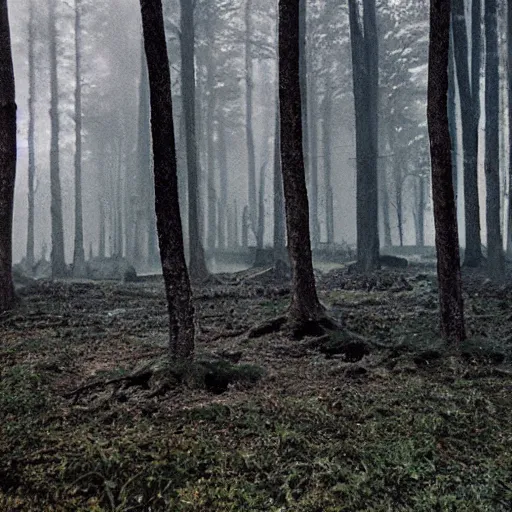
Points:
(469, 94)
(509, 80)
(79, 268)
(492, 143)
(57, 255)
(197, 263)
(170, 235)
(251, 156)
(31, 136)
(279, 213)
(7, 159)
(364, 43)
(445, 218)
(305, 305)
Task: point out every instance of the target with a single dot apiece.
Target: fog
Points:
(112, 124)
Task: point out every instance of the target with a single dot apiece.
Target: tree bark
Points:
(7, 160)
(445, 218)
(197, 263)
(365, 77)
(57, 255)
(279, 213)
(170, 235)
(305, 305)
(303, 70)
(212, 193)
(102, 230)
(509, 88)
(223, 171)
(452, 117)
(327, 148)
(79, 268)
(469, 100)
(251, 156)
(495, 261)
(313, 164)
(31, 136)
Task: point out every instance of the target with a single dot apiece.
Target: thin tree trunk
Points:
(235, 225)
(212, 194)
(365, 78)
(327, 147)
(251, 156)
(452, 116)
(469, 100)
(279, 213)
(509, 86)
(445, 217)
(313, 164)
(197, 263)
(492, 143)
(259, 259)
(79, 268)
(305, 305)
(303, 70)
(170, 235)
(102, 230)
(31, 137)
(420, 233)
(7, 160)
(57, 255)
(143, 164)
(245, 227)
(223, 171)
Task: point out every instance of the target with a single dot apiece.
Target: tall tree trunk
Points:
(384, 193)
(223, 171)
(119, 197)
(57, 255)
(305, 305)
(170, 235)
(313, 164)
(245, 227)
(327, 147)
(398, 179)
(303, 71)
(102, 230)
(143, 165)
(212, 194)
(445, 217)
(492, 143)
(79, 268)
(279, 213)
(509, 86)
(420, 231)
(388, 242)
(7, 160)
(365, 78)
(31, 136)
(197, 263)
(251, 156)
(235, 225)
(259, 259)
(469, 99)
(452, 116)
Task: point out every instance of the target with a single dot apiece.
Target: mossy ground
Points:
(410, 427)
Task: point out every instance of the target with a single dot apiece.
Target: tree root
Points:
(268, 327)
(140, 378)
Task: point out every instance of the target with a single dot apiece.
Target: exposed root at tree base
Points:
(160, 376)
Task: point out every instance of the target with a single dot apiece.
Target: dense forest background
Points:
(236, 63)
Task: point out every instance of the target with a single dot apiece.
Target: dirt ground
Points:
(402, 424)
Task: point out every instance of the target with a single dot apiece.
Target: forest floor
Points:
(407, 426)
